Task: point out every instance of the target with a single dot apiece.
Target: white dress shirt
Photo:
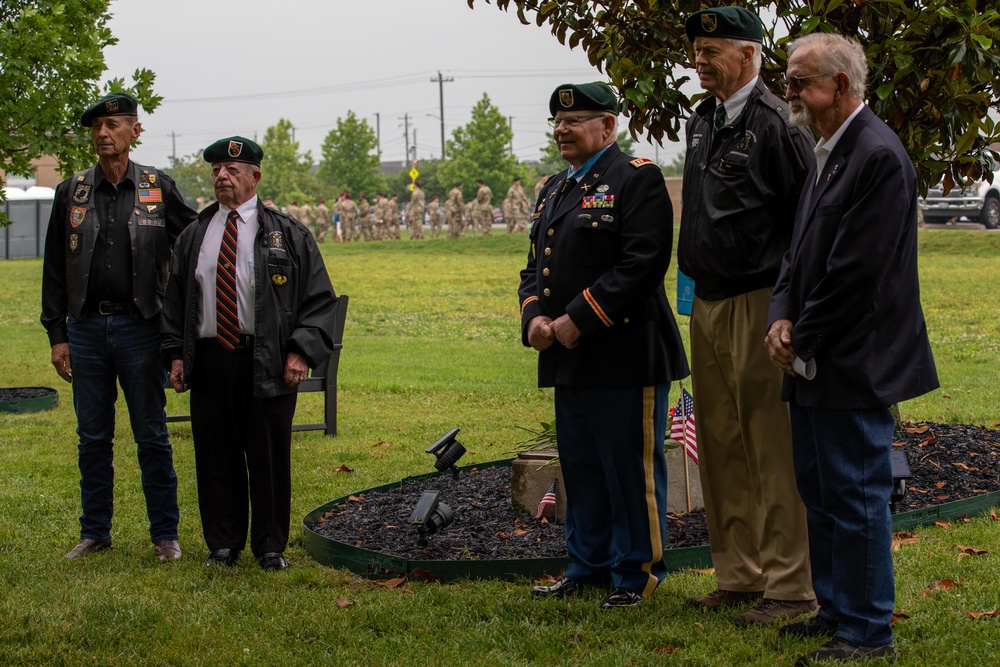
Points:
(208, 259)
(824, 147)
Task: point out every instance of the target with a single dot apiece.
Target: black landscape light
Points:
(447, 451)
(430, 515)
(900, 473)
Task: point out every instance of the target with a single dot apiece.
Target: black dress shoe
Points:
(561, 589)
(621, 597)
(227, 557)
(87, 546)
(272, 560)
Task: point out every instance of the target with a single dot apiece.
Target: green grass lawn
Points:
(432, 343)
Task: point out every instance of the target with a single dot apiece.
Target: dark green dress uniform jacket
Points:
(599, 253)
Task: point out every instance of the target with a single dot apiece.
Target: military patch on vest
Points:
(279, 279)
(746, 142)
(152, 208)
(152, 222)
(709, 22)
(74, 243)
(566, 97)
(152, 178)
(151, 195)
(76, 216)
(82, 193)
(640, 161)
(603, 187)
(111, 106)
(235, 148)
(277, 240)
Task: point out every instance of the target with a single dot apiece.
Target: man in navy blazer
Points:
(846, 313)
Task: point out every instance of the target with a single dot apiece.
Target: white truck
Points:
(979, 202)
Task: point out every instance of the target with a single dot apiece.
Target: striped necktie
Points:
(227, 320)
(720, 116)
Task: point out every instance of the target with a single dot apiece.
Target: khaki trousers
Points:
(756, 520)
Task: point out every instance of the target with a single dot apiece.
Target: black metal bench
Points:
(323, 379)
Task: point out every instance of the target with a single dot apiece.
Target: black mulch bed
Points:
(23, 393)
(949, 462)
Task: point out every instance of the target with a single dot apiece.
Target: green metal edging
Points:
(47, 401)
(377, 565)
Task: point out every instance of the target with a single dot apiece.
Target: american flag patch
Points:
(151, 196)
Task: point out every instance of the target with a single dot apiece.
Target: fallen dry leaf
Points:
(899, 444)
(343, 602)
(707, 570)
(429, 576)
(665, 649)
(945, 396)
(547, 579)
(898, 616)
(943, 585)
(392, 583)
(981, 614)
(918, 428)
(353, 499)
(942, 524)
(381, 444)
(521, 531)
(993, 513)
(972, 551)
(899, 540)
(699, 625)
(502, 534)
(576, 637)
(343, 468)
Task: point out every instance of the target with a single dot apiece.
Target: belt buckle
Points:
(109, 308)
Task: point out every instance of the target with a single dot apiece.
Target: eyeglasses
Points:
(798, 83)
(571, 121)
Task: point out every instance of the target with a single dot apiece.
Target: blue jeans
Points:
(610, 445)
(844, 474)
(104, 349)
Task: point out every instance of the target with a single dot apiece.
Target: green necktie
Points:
(720, 116)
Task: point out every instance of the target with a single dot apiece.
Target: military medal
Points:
(603, 187)
(279, 279)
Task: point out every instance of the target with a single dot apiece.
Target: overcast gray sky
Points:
(229, 67)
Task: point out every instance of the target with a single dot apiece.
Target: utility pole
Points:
(173, 138)
(406, 135)
(293, 134)
(378, 135)
(440, 81)
(414, 158)
(510, 124)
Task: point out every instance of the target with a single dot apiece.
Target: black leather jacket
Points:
(741, 188)
(294, 302)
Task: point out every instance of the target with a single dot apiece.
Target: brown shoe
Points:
(167, 550)
(87, 546)
(769, 611)
(719, 599)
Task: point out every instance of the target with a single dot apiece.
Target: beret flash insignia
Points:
(235, 148)
(566, 97)
(111, 106)
(709, 22)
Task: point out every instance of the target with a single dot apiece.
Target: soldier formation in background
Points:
(515, 207)
(415, 212)
(453, 212)
(483, 210)
(434, 216)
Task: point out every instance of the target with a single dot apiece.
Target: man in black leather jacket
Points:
(107, 253)
(249, 309)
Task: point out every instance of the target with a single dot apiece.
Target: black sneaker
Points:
(621, 597)
(815, 626)
(844, 651)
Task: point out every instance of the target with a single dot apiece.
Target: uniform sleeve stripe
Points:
(601, 315)
(526, 302)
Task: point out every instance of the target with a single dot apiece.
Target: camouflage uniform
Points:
(323, 221)
(365, 218)
(453, 212)
(483, 215)
(434, 215)
(351, 217)
(293, 210)
(307, 218)
(415, 214)
(392, 218)
(469, 219)
(515, 208)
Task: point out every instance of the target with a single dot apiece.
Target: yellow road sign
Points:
(414, 173)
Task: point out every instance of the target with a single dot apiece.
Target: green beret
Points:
(595, 96)
(726, 22)
(113, 104)
(234, 149)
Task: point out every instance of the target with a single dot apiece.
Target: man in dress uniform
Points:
(107, 252)
(594, 306)
(249, 310)
(745, 168)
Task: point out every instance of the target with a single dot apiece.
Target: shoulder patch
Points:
(640, 161)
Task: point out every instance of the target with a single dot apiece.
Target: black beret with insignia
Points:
(595, 96)
(726, 22)
(234, 149)
(113, 104)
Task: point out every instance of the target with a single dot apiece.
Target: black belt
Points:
(245, 342)
(111, 308)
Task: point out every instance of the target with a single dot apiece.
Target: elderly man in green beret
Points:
(107, 252)
(593, 305)
(249, 310)
(745, 168)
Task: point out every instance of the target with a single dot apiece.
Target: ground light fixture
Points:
(430, 515)
(447, 452)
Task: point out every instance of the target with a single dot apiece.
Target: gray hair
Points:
(757, 57)
(837, 54)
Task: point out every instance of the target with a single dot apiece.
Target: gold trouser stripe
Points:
(652, 510)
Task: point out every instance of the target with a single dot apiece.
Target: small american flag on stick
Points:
(682, 425)
(549, 499)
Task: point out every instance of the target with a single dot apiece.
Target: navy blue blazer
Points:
(849, 281)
